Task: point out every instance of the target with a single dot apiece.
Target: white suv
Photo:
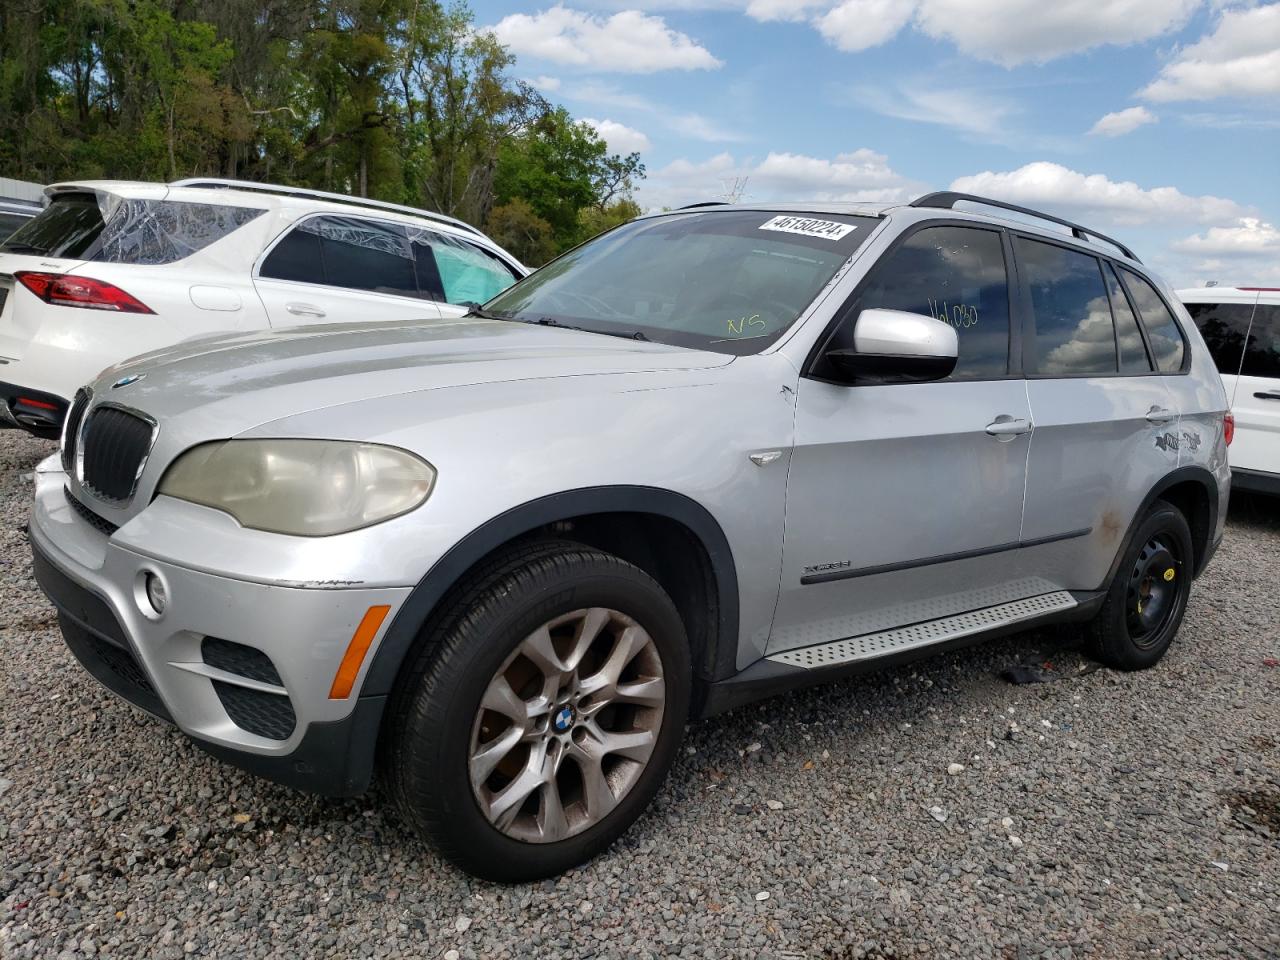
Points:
(1241, 325)
(112, 269)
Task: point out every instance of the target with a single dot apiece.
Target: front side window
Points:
(1075, 334)
(110, 229)
(466, 273)
(953, 274)
(1162, 329)
(1262, 355)
(731, 281)
(1225, 327)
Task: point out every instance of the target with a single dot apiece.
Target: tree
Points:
(561, 167)
(515, 227)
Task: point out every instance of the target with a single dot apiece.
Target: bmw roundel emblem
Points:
(125, 381)
(564, 719)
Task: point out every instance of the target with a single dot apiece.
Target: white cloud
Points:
(1249, 237)
(619, 137)
(965, 110)
(1007, 32)
(691, 125)
(1123, 121)
(1241, 58)
(627, 42)
(782, 9)
(1055, 188)
(858, 24)
(697, 127)
(546, 84)
(857, 175)
(1010, 32)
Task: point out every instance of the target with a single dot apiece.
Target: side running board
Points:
(872, 646)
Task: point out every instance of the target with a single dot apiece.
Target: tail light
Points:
(67, 290)
(1228, 427)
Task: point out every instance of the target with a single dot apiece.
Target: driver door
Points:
(904, 501)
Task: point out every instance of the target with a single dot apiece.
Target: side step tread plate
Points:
(872, 646)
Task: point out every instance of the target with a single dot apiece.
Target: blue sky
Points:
(1155, 120)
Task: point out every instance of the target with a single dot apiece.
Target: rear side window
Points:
(365, 255)
(1262, 356)
(1129, 343)
(132, 231)
(1224, 327)
(1162, 329)
(956, 275)
(1075, 335)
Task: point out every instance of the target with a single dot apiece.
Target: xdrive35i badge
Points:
(125, 381)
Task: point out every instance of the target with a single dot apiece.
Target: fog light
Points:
(157, 596)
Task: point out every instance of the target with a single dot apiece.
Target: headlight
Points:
(308, 488)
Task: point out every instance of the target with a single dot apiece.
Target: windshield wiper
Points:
(475, 310)
(22, 248)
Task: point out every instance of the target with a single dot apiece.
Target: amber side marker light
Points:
(345, 679)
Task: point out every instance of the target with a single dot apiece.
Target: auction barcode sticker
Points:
(808, 227)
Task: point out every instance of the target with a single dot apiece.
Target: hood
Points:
(238, 382)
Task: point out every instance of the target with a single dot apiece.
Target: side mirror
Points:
(893, 346)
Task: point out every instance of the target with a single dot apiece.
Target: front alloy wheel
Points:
(540, 713)
(567, 725)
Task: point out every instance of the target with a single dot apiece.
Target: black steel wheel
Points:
(1148, 596)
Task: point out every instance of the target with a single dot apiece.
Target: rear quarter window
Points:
(131, 231)
(1163, 332)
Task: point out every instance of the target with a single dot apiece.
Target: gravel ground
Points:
(1103, 815)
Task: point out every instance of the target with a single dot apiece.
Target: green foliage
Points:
(395, 99)
(515, 227)
(562, 167)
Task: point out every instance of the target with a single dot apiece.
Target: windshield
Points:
(730, 281)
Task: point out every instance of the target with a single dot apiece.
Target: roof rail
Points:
(947, 199)
(704, 203)
(250, 186)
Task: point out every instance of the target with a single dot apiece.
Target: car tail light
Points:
(1228, 428)
(68, 290)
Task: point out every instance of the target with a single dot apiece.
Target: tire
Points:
(489, 642)
(1146, 600)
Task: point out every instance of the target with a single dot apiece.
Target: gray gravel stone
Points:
(1129, 793)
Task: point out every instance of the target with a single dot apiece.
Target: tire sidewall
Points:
(442, 739)
(1169, 521)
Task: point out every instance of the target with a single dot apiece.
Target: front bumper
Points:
(243, 668)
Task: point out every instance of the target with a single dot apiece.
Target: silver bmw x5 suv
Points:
(711, 455)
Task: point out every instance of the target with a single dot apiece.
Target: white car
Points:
(112, 269)
(1241, 325)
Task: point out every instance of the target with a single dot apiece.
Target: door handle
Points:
(304, 310)
(1158, 414)
(1268, 395)
(1006, 427)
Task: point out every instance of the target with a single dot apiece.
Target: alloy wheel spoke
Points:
(552, 822)
(500, 698)
(597, 796)
(485, 760)
(506, 803)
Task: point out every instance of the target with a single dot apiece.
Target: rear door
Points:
(344, 269)
(1106, 425)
